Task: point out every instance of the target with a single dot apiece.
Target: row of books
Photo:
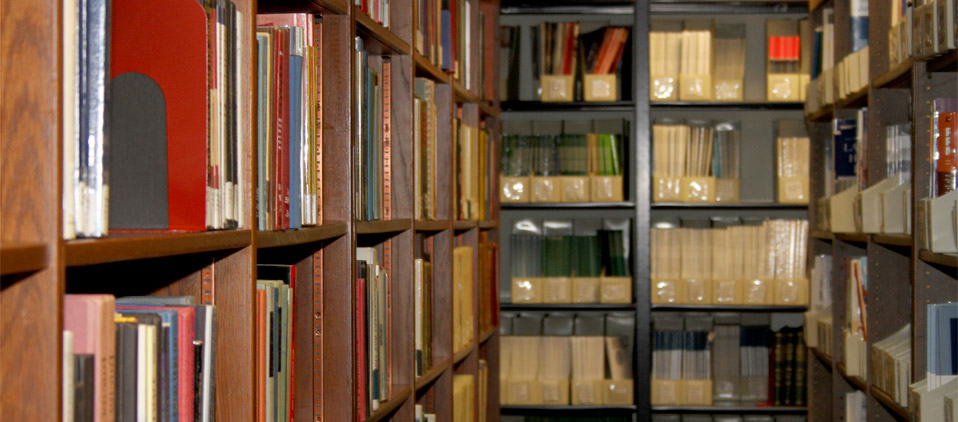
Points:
(463, 288)
(444, 37)
(666, 417)
(563, 61)
(696, 162)
(378, 10)
(562, 155)
(701, 60)
(138, 358)
(570, 261)
(562, 168)
(425, 138)
(289, 120)
(562, 359)
(275, 312)
(373, 134)
(134, 120)
(736, 359)
(734, 265)
(474, 163)
(373, 330)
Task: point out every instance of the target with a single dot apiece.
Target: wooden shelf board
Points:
(889, 402)
(339, 7)
(19, 258)
(892, 239)
(729, 308)
(852, 237)
(487, 109)
(431, 225)
(729, 105)
(426, 379)
(948, 260)
(856, 99)
(896, 77)
(428, 70)
(365, 25)
(539, 106)
(276, 239)
(565, 307)
(855, 381)
(822, 234)
(715, 205)
(487, 335)
(813, 5)
(625, 204)
(387, 408)
(383, 226)
(488, 224)
(463, 225)
(461, 94)
(827, 360)
(565, 410)
(128, 246)
(765, 410)
(943, 63)
(821, 115)
(463, 354)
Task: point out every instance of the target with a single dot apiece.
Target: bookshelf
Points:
(903, 277)
(219, 267)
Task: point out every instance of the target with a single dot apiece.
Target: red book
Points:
(284, 103)
(360, 380)
(617, 58)
(489, 11)
(166, 42)
(568, 47)
(186, 317)
(946, 169)
(90, 318)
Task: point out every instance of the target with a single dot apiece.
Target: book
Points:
(944, 126)
(67, 383)
(464, 285)
(373, 330)
(90, 318)
(942, 346)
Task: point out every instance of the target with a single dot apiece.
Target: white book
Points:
(152, 381)
(70, 124)
(142, 391)
(68, 374)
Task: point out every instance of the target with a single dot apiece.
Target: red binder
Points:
(166, 41)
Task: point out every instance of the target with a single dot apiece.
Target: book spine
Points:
(318, 101)
(946, 168)
(859, 24)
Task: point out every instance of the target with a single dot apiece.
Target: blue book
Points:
(170, 318)
(859, 24)
(445, 41)
(844, 151)
(295, 136)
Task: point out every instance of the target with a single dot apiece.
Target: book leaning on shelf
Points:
(152, 142)
(562, 359)
(289, 126)
(463, 286)
(372, 332)
(566, 261)
(138, 358)
(562, 168)
(733, 265)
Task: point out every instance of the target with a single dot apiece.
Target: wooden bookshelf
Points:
(22, 258)
(902, 277)
(38, 267)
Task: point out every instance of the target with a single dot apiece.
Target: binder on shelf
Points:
(695, 74)
(665, 40)
(598, 87)
(729, 62)
(558, 88)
